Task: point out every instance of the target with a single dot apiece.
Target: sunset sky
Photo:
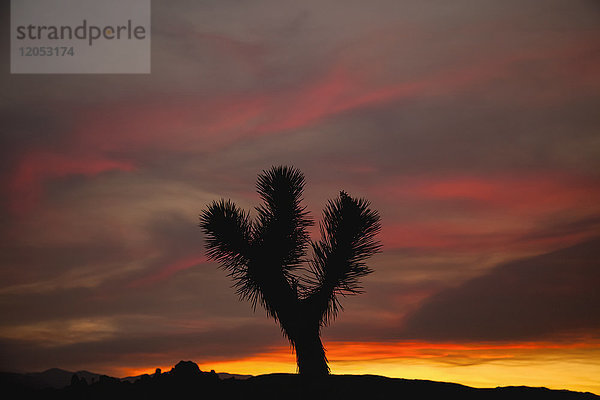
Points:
(472, 126)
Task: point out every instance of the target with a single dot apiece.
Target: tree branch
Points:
(347, 239)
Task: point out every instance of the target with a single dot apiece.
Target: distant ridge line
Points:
(186, 376)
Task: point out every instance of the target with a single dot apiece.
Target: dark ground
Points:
(185, 380)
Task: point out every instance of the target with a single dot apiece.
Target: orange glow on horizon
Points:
(562, 365)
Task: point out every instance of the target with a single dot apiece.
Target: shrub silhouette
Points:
(266, 257)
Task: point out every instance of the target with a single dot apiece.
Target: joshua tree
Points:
(266, 257)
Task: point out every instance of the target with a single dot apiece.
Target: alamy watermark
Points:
(80, 36)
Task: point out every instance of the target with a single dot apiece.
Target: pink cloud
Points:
(516, 194)
(200, 123)
(26, 184)
(469, 237)
(483, 211)
(169, 270)
(196, 124)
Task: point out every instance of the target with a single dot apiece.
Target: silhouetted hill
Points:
(187, 380)
(379, 387)
(221, 375)
(54, 378)
(225, 375)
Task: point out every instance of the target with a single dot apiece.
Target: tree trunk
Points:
(310, 354)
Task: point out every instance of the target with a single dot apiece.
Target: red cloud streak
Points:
(26, 184)
(169, 270)
(476, 204)
(207, 124)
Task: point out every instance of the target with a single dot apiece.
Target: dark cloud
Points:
(556, 229)
(535, 298)
(21, 262)
(127, 348)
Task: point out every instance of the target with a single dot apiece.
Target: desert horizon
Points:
(186, 377)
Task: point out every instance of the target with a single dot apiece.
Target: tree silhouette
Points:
(266, 257)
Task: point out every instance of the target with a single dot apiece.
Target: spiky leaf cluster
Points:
(265, 256)
(347, 239)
